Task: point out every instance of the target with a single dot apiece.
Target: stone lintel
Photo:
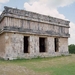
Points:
(33, 32)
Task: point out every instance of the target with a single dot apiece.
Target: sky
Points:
(64, 9)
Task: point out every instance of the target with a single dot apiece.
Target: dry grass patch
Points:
(64, 65)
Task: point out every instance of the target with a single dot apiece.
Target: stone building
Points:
(25, 34)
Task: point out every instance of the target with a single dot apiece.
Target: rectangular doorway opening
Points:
(56, 41)
(42, 45)
(26, 44)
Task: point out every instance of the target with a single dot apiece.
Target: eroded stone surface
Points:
(15, 24)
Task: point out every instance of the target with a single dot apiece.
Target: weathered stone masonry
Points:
(25, 34)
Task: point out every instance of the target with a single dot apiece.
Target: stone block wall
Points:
(2, 45)
(63, 45)
(33, 27)
(20, 23)
(13, 47)
(37, 23)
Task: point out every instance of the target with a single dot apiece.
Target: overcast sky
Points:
(64, 9)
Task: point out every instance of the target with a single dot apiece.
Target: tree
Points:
(72, 48)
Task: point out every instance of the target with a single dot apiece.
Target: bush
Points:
(72, 48)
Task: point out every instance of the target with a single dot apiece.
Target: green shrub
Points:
(72, 48)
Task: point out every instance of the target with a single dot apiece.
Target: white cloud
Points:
(4, 1)
(43, 9)
(0, 12)
(54, 3)
(49, 7)
(72, 33)
(1, 2)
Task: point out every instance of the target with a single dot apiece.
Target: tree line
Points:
(71, 48)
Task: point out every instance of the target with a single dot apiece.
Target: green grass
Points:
(64, 65)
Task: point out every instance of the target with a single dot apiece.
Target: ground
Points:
(63, 65)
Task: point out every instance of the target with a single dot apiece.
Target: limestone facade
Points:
(16, 24)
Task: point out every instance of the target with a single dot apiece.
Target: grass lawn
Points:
(64, 65)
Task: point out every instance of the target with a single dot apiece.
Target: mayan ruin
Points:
(25, 34)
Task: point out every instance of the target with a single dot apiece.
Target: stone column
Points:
(50, 45)
(63, 45)
(34, 46)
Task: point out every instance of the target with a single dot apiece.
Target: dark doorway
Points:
(42, 47)
(56, 41)
(26, 44)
